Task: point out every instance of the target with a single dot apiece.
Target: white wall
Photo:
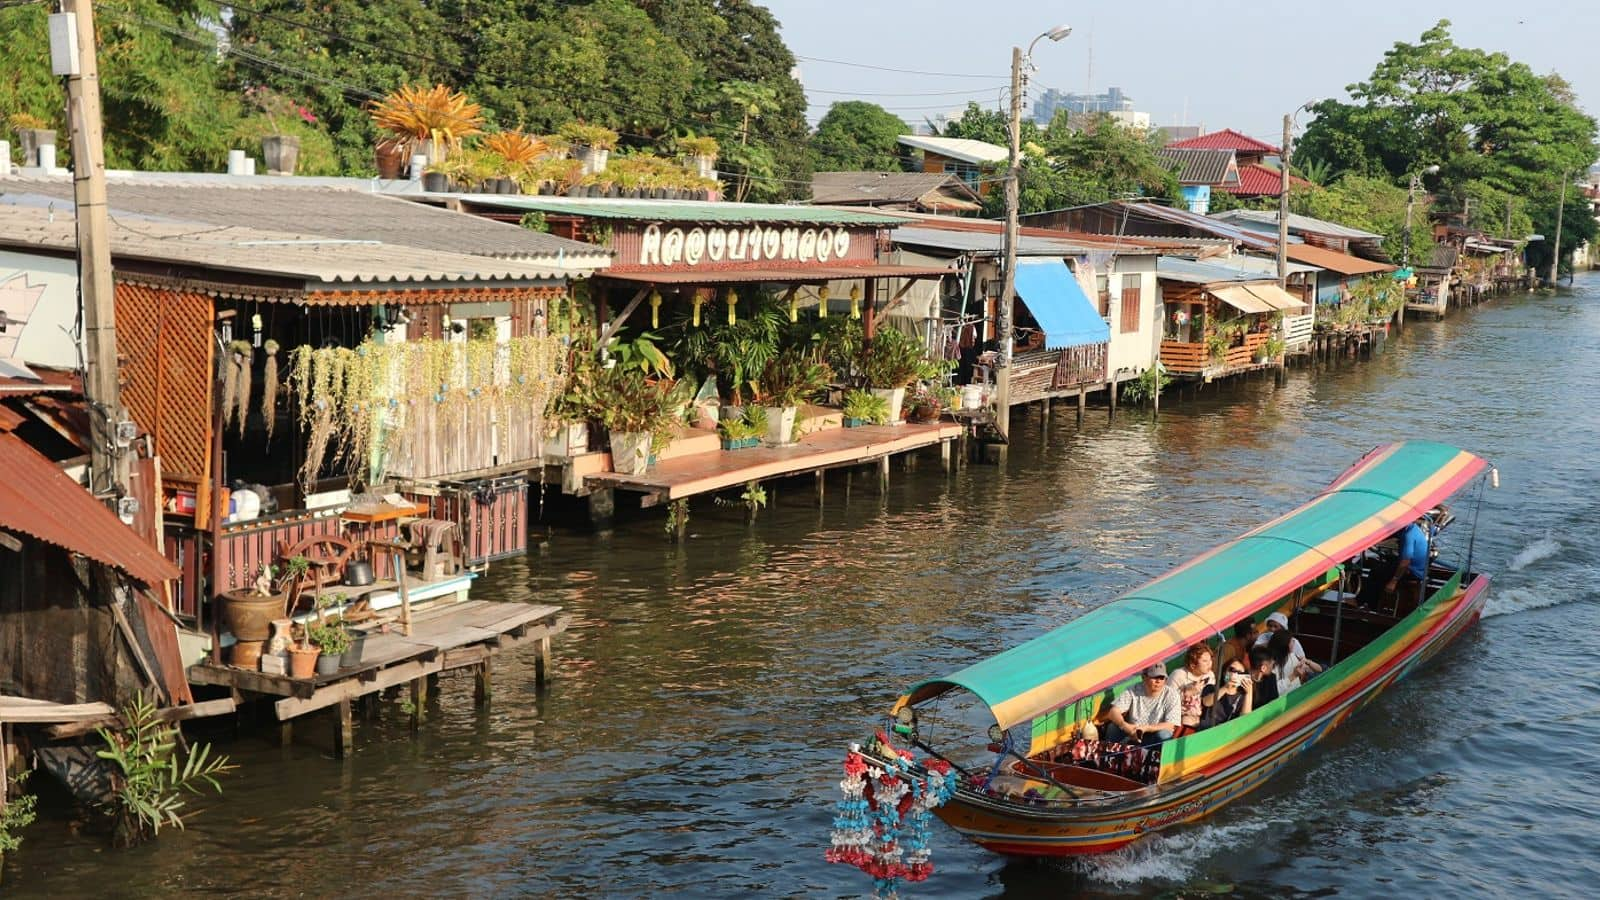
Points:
(1134, 350)
(43, 292)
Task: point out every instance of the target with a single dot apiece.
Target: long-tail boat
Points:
(1040, 787)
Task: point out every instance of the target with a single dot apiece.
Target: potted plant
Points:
(437, 119)
(32, 133)
(738, 433)
(702, 153)
(789, 379)
(591, 144)
(1275, 346)
(392, 155)
(925, 404)
(331, 639)
(248, 613)
(637, 412)
(303, 659)
(894, 361)
(863, 408)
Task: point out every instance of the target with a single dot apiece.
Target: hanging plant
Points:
(244, 357)
(269, 386)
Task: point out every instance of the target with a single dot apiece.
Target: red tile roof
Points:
(1226, 139)
(1257, 180)
(39, 500)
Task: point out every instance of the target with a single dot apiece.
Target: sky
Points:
(1222, 64)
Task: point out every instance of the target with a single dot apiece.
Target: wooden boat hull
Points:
(1195, 785)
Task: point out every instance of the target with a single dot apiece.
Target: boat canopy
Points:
(1388, 488)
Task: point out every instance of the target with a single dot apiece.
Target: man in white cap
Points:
(1146, 713)
(1292, 669)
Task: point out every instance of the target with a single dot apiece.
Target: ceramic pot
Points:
(303, 661)
(896, 398)
(249, 616)
(630, 452)
(780, 425)
(568, 441)
(245, 654)
(391, 157)
(281, 153)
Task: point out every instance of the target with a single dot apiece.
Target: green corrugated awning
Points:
(1388, 488)
(682, 210)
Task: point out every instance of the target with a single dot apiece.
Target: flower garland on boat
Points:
(882, 820)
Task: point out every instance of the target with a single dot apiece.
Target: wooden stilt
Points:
(602, 509)
(680, 519)
(344, 730)
(883, 473)
(482, 683)
(285, 733)
(822, 485)
(419, 700)
(542, 664)
(1112, 398)
(1083, 404)
(944, 455)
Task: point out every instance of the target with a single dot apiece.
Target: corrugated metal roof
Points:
(1265, 266)
(1297, 223)
(681, 210)
(964, 149)
(983, 242)
(1176, 268)
(319, 262)
(292, 208)
(1334, 261)
(1211, 167)
(1208, 224)
(39, 500)
(890, 187)
(1126, 244)
(1257, 180)
(1226, 139)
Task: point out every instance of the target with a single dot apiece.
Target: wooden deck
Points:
(700, 473)
(444, 637)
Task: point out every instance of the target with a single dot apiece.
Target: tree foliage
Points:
(1370, 204)
(857, 136)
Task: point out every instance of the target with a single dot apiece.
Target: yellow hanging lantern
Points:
(699, 301)
(794, 308)
(733, 302)
(822, 302)
(855, 301)
(655, 309)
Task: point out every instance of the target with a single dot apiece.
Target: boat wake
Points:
(1543, 548)
(1504, 601)
(1166, 856)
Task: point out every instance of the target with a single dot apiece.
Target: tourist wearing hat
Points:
(1146, 713)
(1293, 666)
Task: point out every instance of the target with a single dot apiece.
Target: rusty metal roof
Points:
(320, 263)
(719, 211)
(39, 500)
(946, 189)
(1334, 261)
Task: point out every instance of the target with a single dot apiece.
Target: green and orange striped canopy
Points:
(1381, 493)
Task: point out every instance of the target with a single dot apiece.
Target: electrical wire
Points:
(856, 65)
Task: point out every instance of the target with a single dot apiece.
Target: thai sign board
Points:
(690, 247)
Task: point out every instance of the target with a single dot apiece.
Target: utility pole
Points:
(1283, 206)
(108, 461)
(1555, 249)
(1008, 284)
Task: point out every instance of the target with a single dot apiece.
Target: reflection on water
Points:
(692, 740)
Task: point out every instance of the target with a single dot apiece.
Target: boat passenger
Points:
(1238, 646)
(1290, 669)
(1278, 623)
(1264, 681)
(1190, 680)
(1233, 699)
(1146, 713)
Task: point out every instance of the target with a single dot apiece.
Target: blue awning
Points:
(1056, 300)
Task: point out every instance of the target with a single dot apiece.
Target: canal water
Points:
(691, 743)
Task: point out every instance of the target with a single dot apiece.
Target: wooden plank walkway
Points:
(700, 473)
(444, 636)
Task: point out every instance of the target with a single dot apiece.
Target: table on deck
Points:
(446, 636)
(699, 473)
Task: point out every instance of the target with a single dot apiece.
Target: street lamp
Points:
(1002, 377)
(1411, 197)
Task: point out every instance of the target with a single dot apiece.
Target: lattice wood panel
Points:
(165, 351)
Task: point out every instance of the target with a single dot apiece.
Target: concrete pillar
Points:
(602, 509)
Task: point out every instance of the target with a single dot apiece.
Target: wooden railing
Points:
(1039, 374)
(1297, 330)
(1183, 358)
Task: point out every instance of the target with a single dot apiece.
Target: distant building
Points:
(1053, 101)
(961, 157)
(1174, 133)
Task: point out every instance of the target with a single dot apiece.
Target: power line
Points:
(968, 91)
(856, 65)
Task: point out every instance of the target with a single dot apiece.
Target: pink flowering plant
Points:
(267, 112)
(279, 109)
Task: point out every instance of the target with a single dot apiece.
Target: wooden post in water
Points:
(1044, 415)
(883, 473)
(419, 699)
(1083, 404)
(483, 683)
(822, 485)
(542, 664)
(1112, 398)
(344, 730)
(944, 455)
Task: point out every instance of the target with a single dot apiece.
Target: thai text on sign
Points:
(693, 246)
